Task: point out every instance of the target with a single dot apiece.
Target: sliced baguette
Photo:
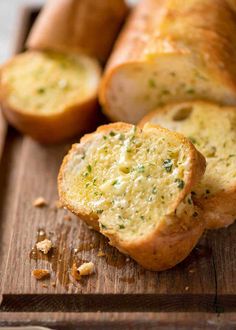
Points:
(50, 96)
(134, 187)
(213, 131)
(79, 26)
(171, 51)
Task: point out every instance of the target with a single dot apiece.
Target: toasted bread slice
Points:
(213, 131)
(134, 187)
(75, 26)
(171, 51)
(48, 95)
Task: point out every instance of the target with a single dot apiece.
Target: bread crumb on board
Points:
(85, 269)
(67, 218)
(101, 253)
(40, 274)
(40, 202)
(44, 246)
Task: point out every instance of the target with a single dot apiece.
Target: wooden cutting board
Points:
(200, 293)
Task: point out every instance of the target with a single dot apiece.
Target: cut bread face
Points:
(212, 130)
(49, 95)
(134, 187)
(169, 52)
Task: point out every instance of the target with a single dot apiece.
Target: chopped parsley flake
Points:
(142, 217)
(99, 211)
(122, 226)
(41, 90)
(180, 183)
(151, 83)
(154, 190)
(192, 139)
(112, 133)
(168, 164)
(104, 137)
(114, 182)
(190, 91)
(141, 168)
(103, 226)
(89, 168)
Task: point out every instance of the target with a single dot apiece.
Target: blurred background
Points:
(9, 15)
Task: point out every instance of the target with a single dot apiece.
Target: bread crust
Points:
(51, 127)
(218, 210)
(211, 39)
(92, 26)
(166, 245)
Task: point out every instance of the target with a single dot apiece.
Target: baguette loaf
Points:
(79, 26)
(213, 131)
(172, 50)
(134, 187)
(50, 96)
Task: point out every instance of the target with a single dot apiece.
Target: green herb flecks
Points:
(41, 90)
(141, 168)
(180, 183)
(152, 83)
(168, 164)
(154, 190)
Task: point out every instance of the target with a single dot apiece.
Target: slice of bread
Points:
(213, 131)
(171, 51)
(79, 26)
(134, 187)
(50, 96)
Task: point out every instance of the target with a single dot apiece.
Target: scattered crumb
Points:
(127, 260)
(67, 218)
(44, 285)
(101, 253)
(41, 232)
(53, 284)
(76, 250)
(86, 269)
(44, 246)
(191, 270)
(186, 288)
(40, 274)
(58, 204)
(74, 272)
(40, 202)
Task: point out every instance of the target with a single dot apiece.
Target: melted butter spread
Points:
(48, 82)
(129, 179)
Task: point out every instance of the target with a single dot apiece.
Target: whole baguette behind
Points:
(134, 187)
(75, 26)
(212, 129)
(172, 50)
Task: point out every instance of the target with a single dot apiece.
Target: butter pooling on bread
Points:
(134, 187)
(212, 129)
(49, 95)
(171, 51)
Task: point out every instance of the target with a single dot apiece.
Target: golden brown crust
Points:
(218, 210)
(206, 29)
(50, 127)
(77, 26)
(168, 244)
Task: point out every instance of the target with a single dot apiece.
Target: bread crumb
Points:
(40, 274)
(41, 232)
(67, 218)
(53, 284)
(191, 270)
(101, 253)
(58, 204)
(74, 272)
(127, 260)
(44, 246)
(186, 288)
(86, 269)
(40, 202)
(44, 286)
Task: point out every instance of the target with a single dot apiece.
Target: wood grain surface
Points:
(120, 294)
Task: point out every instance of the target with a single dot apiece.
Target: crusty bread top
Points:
(130, 179)
(43, 83)
(212, 129)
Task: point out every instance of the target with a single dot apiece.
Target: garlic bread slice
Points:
(212, 129)
(50, 96)
(134, 187)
